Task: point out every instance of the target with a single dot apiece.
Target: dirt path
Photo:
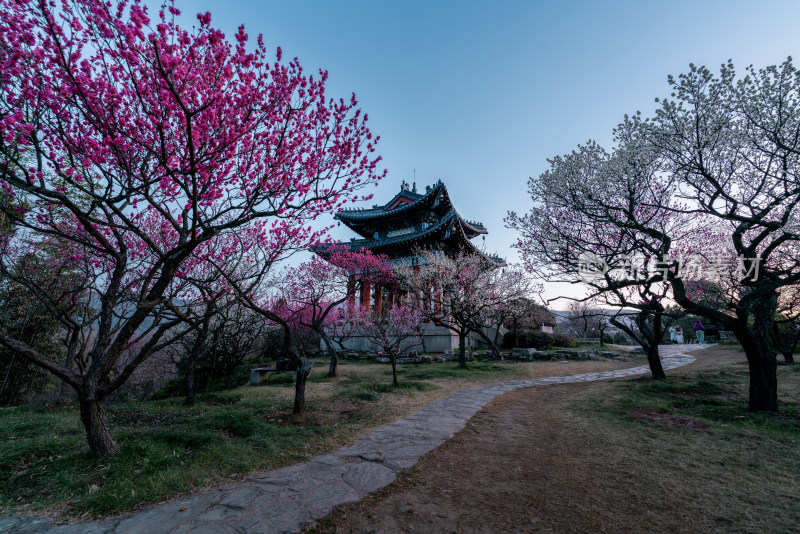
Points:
(519, 466)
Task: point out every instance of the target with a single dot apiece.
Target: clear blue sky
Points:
(480, 94)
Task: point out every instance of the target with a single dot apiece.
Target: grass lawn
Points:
(170, 449)
(687, 453)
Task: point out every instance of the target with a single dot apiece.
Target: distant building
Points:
(409, 222)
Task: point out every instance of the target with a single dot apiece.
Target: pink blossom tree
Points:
(155, 149)
(317, 287)
(392, 333)
(465, 293)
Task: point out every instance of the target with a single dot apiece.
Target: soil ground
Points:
(532, 461)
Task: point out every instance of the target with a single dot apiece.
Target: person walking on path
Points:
(679, 335)
(700, 332)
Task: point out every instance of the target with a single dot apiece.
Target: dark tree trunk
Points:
(98, 435)
(648, 339)
(654, 360)
(394, 370)
(334, 363)
(761, 360)
(462, 353)
(653, 337)
(300, 385)
(331, 352)
(492, 345)
(763, 381)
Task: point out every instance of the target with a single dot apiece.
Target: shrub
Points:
(563, 340)
(526, 340)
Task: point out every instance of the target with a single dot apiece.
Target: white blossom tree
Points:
(717, 167)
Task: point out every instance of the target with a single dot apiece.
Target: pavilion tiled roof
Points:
(435, 197)
(450, 226)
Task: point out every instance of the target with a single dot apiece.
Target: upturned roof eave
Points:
(356, 215)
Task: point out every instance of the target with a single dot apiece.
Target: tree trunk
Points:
(462, 354)
(394, 370)
(654, 360)
(648, 339)
(516, 335)
(651, 336)
(331, 352)
(763, 382)
(761, 360)
(98, 435)
(492, 345)
(300, 385)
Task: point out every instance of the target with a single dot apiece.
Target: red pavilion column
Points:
(378, 300)
(365, 296)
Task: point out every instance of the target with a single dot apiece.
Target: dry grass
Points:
(577, 458)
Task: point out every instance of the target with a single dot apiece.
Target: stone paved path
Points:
(288, 499)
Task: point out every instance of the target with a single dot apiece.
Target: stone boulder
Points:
(529, 355)
(348, 355)
(450, 355)
(568, 354)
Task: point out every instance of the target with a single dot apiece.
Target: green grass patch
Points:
(714, 398)
(474, 370)
(169, 448)
(370, 390)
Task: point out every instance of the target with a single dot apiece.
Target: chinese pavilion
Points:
(409, 222)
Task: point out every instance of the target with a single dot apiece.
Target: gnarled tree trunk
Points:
(331, 351)
(652, 336)
(93, 416)
(492, 345)
(761, 360)
(648, 339)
